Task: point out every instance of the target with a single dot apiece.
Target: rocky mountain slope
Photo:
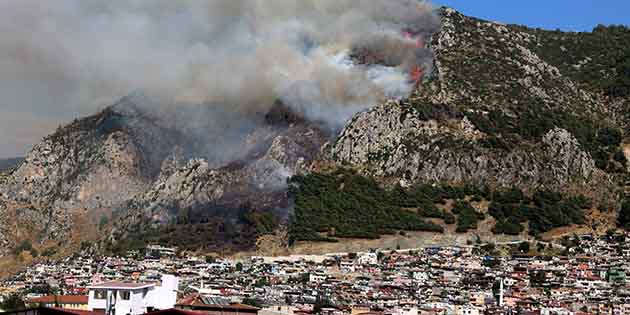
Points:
(503, 112)
(494, 112)
(135, 176)
(502, 109)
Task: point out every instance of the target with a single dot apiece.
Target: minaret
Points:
(501, 292)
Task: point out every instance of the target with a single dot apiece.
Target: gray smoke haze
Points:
(65, 58)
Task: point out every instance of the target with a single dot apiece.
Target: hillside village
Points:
(585, 275)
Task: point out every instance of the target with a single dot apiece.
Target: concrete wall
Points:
(94, 303)
(159, 297)
(164, 296)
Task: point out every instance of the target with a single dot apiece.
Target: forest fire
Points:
(394, 53)
(416, 74)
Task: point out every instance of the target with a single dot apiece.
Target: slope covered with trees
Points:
(341, 203)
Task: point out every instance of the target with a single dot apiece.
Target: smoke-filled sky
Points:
(67, 58)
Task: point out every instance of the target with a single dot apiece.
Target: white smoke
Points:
(67, 57)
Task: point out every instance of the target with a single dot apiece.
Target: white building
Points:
(162, 251)
(405, 310)
(368, 259)
(123, 298)
(317, 277)
(466, 310)
(421, 276)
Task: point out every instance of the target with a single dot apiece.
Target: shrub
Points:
(13, 302)
(509, 226)
(623, 220)
(25, 245)
(523, 247)
(467, 216)
(103, 222)
(609, 136)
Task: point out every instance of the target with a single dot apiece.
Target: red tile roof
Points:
(75, 312)
(174, 311)
(61, 299)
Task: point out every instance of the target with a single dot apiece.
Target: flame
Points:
(416, 73)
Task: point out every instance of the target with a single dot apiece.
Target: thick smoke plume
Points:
(70, 56)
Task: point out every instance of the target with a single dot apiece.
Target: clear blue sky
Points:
(576, 15)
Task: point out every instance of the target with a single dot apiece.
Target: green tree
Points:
(25, 245)
(261, 282)
(609, 136)
(623, 220)
(210, 259)
(320, 303)
(49, 252)
(103, 222)
(13, 302)
(523, 247)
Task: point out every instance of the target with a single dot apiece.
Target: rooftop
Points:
(121, 285)
(202, 302)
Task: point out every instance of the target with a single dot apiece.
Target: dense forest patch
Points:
(345, 204)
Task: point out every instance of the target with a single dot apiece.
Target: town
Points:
(578, 275)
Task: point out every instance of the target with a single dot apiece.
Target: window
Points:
(100, 294)
(125, 295)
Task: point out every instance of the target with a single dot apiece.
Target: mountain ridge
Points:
(498, 110)
(9, 163)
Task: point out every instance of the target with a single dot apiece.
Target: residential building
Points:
(126, 298)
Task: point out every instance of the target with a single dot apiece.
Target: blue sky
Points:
(576, 15)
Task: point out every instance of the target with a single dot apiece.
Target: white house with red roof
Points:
(131, 298)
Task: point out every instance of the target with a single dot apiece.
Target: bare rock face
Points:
(204, 193)
(568, 160)
(127, 164)
(392, 140)
(92, 165)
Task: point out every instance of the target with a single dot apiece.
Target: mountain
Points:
(517, 131)
(126, 175)
(493, 112)
(9, 163)
(537, 115)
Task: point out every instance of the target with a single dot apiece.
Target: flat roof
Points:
(121, 285)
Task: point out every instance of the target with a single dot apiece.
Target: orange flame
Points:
(415, 74)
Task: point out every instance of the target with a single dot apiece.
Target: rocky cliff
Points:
(405, 146)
